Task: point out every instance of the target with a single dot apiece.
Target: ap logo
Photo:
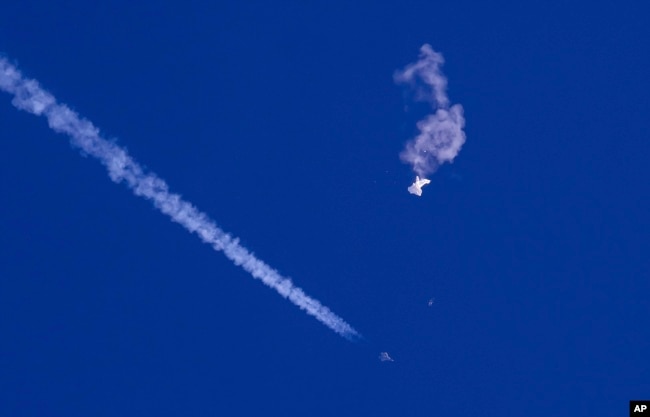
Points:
(640, 408)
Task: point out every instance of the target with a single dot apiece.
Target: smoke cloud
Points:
(441, 135)
(121, 167)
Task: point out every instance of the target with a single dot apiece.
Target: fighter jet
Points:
(416, 188)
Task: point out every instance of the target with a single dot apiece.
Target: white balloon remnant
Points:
(416, 187)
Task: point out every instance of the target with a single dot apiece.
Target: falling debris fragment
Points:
(416, 188)
(385, 357)
(431, 300)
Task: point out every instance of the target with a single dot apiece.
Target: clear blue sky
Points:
(282, 122)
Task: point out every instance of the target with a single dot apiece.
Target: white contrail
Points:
(441, 134)
(29, 96)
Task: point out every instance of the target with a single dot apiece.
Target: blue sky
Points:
(282, 122)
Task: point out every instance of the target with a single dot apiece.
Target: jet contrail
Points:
(441, 133)
(30, 97)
